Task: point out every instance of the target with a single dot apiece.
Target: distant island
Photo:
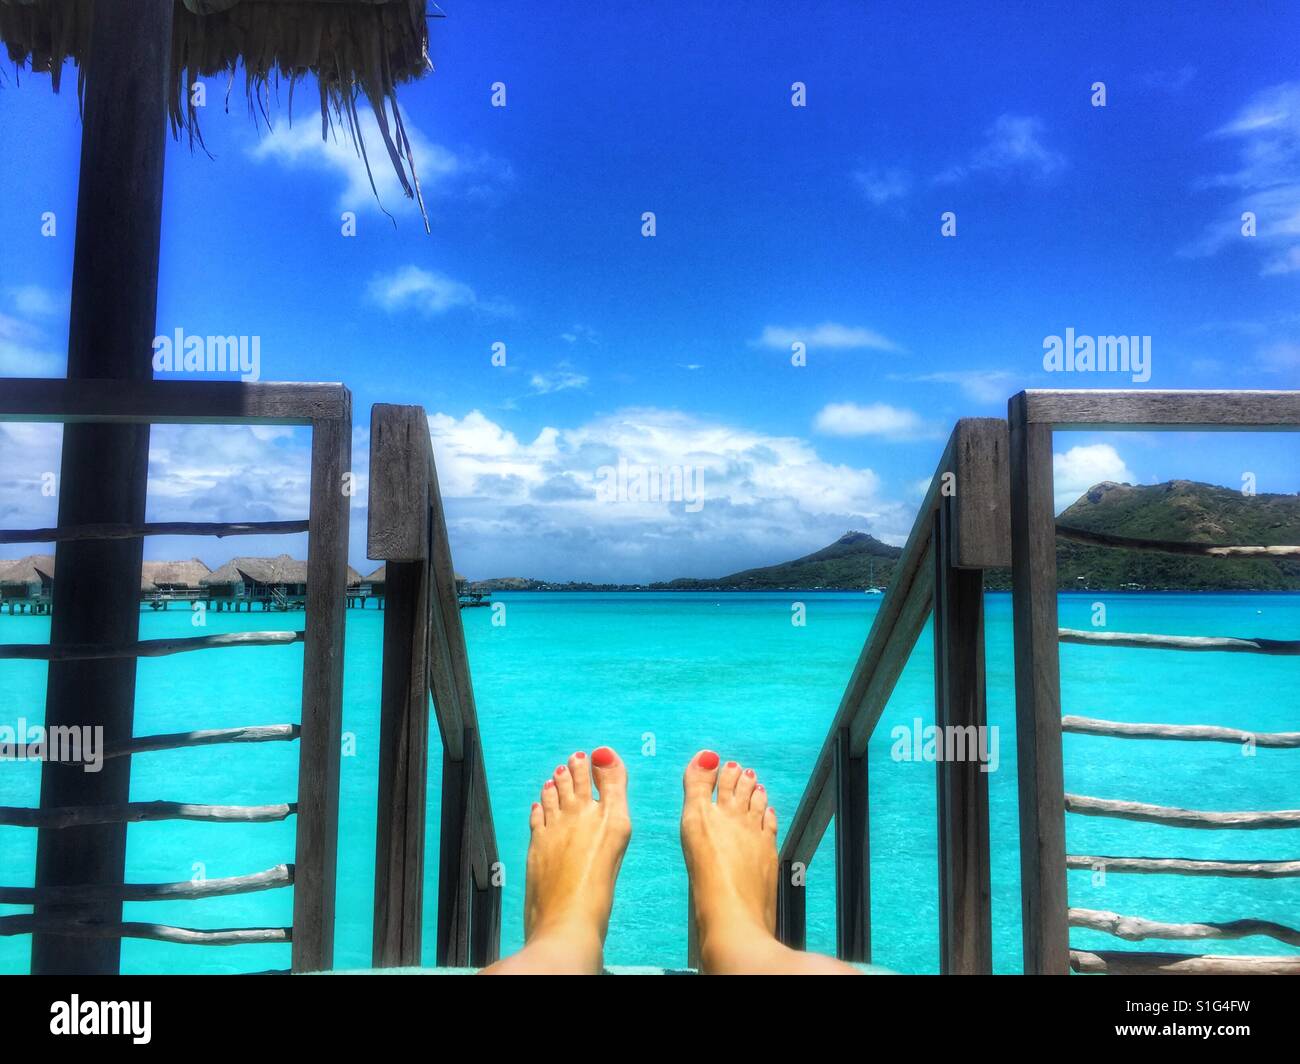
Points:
(1180, 510)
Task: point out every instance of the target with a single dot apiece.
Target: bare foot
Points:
(730, 850)
(576, 850)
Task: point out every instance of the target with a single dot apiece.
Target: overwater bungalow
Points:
(27, 584)
(162, 583)
(467, 597)
(369, 587)
(278, 583)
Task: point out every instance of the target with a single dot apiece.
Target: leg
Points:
(573, 861)
(730, 849)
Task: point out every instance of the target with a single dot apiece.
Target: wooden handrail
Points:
(1180, 818)
(147, 648)
(1189, 733)
(76, 816)
(220, 529)
(89, 893)
(1164, 546)
(1181, 866)
(1122, 962)
(1136, 929)
(147, 744)
(186, 936)
(1144, 641)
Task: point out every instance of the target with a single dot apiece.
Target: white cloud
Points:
(1012, 147)
(829, 335)
(25, 352)
(1079, 468)
(982, 385)
(427, 291)
(33, 301)
(765, 498)
(562, 378)
(878, 419)
(882, 185)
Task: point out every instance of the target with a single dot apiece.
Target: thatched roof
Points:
(278, 570)
(27, 570)
(352, 47)
(379, 576)
(154, 575)
(354, 577)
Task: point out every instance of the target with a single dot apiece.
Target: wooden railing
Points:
(424, 654)
(77, 824)
(1047, 916)
(961, 529)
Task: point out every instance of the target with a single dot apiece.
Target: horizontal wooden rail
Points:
(92, 893)
(1122, 962)
(186, 936)
(75, 816)
(1180, 818)
(1142, 641)
(220, 529)
(1148, 410)
(1188, 733)
(1180, 866)
(1163, 546)
(147, 648)
(1136, 929)
(147, 744)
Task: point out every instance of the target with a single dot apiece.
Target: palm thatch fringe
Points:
(352, 47)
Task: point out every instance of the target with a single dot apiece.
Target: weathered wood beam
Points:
(1179, 866)
(791, 904)
(1120, 962)
(61, 818)
(852, 854)
(120, 530)
(1180, 818)
(1164, 546)
(1136, 929)
(270, 879)
(1152, 410)
(185, 936)
(1143, 641)
(1192, 733)
(146, 648)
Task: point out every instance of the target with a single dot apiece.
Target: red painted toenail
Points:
(708, 760)
(602, 757)
(548, 783)
(749, 772)
(579, 755)
(759, 787)
(559, 770)
(732, 764)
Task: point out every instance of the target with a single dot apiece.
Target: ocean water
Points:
(658, 676)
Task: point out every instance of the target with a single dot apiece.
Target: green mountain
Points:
(853, 561)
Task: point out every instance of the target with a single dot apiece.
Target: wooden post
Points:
(322, 695)
(105, 467)
(852, 854)
(790, 906)
(455, 862)
(965, 920)
(403, 769)
(1038, 696)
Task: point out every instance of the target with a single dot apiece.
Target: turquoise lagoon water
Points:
(661, 675)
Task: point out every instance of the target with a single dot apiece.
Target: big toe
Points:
(701, 777)
(610, 775)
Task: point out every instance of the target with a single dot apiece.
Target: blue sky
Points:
(774, 224)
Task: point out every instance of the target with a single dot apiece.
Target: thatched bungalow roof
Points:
(351, 47)
(379, 576)
(155, 576)
(354, 577)
(27, 571)
(278, 570)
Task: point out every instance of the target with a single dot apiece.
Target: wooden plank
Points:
(1171, 816)
(170, 402)
(1178, 866)
(791, 907)
(270, 733)
(145, 648)
(398, 517)
(852, 854)
(1038, 695)
(403, 767)
(104, 470)
(65, 817)
(1165, 546)
(1143, 641)
(1188, 733)
(270, 879)
(121, 530)
(965, 891)
(322, 696)
(185, 936)
(1151, 410)
(1118, 962)
(1136, 929)
(454, 861)
(981, 537)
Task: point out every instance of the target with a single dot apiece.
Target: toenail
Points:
(759, 787)
(602, 757)
(749, 772)
(708, 760)
(732, 764)
(549, 783)
(579, 755)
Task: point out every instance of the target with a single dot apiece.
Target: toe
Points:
(758, 801)
(536, 818)
(745, 784)
(701, 775)
(580, 773)
(769, 821)
(610, 774)
(550, 800)
(564, 785)
(727, 784)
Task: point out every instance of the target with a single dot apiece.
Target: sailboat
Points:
(871, 580)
